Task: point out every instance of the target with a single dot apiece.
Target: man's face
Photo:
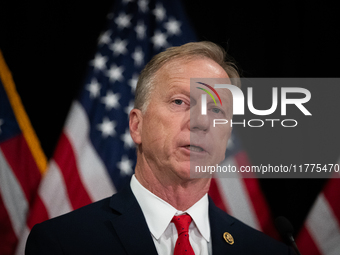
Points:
(174, 134)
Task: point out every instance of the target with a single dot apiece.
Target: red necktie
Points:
(183, 246)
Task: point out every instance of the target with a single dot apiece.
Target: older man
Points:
(164, 210)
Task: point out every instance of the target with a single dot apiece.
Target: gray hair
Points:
(188, 52)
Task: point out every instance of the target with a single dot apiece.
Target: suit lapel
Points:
(130, 224)
(220, 223)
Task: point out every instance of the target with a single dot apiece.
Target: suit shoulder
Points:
(96, 209)
(73, 231)
(82, 219)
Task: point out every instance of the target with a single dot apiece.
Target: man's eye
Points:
(215, 110)
(178, 101)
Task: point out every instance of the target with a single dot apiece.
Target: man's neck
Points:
(180, 193)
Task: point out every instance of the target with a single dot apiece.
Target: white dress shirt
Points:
(158, 215)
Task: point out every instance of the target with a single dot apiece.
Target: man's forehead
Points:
(179, 87)
(188, 66)
(175, 75)
(175, 65)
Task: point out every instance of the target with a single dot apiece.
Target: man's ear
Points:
(136, 123)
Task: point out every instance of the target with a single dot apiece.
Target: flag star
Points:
(125, 166)
(119, 47)
(138, 56)
(159, 12)
(1, 122)
(104, 38)
(173, 27)
(99, 62)
(107, 127)
(94, 88)
(127, 139)
(115, 73)
(159, 40)
(111, 100)
(123, 20)
(140, 30)
(133, 82)
(129, 108)
(143, 5)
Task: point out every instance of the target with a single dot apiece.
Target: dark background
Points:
(47, 46)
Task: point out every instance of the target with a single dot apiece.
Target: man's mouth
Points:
(194, 148)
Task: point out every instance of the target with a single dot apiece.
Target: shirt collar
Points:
(200, 215)
(158, 213)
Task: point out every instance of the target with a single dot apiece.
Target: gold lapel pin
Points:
(228, 238)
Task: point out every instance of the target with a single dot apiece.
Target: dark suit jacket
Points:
(117, 225)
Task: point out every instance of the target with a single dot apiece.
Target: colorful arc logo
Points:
(211, 88)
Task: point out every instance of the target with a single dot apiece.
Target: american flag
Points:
(22, 163)
(95, 155)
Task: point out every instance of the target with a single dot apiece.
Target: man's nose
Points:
(198, 122)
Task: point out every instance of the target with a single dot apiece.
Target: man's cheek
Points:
(221, 132)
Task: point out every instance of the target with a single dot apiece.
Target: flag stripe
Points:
(21, 116)
(28, 180)
(91, 169)
(214, 193)
(20, 248)
(13, 196)
(306, 243)
(236, 197)
(331, 193)
(7, 236)
(37, 214)
(75, 189)
(325, 233)
(53, 192)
